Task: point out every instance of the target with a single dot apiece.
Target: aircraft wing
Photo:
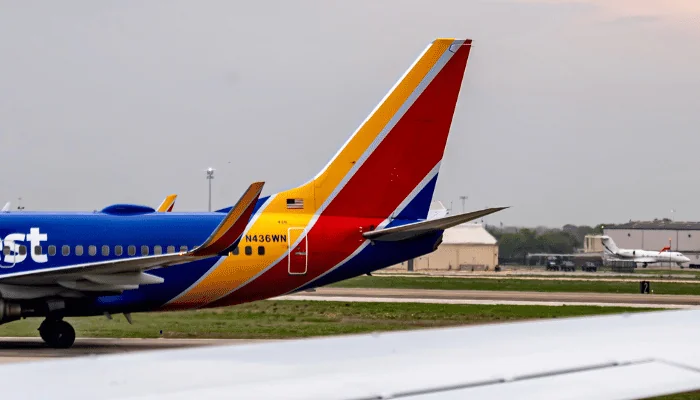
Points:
(167, 204)
(636, 259)
(623, 356)
(645, 259)
(128, 273)
(408, 231)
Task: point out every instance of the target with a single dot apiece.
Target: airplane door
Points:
(297, 258)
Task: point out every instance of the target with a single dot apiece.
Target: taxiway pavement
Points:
(499, 297)
(22, 349)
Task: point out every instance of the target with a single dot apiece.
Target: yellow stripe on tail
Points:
(167, 204)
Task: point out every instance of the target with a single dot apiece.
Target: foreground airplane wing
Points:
(124, 274)
(407, 231)
(625, 356)
(167, 204)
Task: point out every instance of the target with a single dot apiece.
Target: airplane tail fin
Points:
(389, 166)
(167, 204)
(6, 207)
(609, 246)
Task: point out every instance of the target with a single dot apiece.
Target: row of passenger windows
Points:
(248, 251)
(119, 250)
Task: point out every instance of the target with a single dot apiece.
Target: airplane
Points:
(365, 210)
(167, 204)
(639, 256)
(639, 355)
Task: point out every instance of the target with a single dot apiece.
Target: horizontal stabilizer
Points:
(409, 231)
(229, 232)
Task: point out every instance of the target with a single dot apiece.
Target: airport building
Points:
(683, 237)
(465, 247)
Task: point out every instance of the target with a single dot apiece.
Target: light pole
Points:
(464, 198)
(210, 176)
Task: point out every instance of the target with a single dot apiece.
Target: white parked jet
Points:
(641, 256)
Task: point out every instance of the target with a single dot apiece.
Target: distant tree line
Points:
(516, 244)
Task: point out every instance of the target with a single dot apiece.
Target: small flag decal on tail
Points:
(295, 204)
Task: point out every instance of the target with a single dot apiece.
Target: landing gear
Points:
(57, 333)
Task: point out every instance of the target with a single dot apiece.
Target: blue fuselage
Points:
(69, 239)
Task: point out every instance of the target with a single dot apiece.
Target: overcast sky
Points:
(571, 111)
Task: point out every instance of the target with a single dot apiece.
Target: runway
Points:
(557, 277)
(499, 297)
(22, 349)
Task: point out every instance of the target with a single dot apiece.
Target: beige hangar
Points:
(464, 247)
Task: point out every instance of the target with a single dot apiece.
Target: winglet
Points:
(6, 208)
(228, 233)
(167, 204)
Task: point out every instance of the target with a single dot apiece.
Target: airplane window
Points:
(183, 248)
(261, 250)
(144, 250)
(118, 250)
(22, 250)
(132, 250)
(92, 250)
(65, 250)
(236, 251)
(38, 250)
(171, 249)
(157, 250)
(248, 250)
(105, 250)
(52, 250)
(79, 250)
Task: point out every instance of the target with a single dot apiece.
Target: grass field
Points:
(603, 273)
(665, 272)
(514, 284)
(291, 319)
(682, 396)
